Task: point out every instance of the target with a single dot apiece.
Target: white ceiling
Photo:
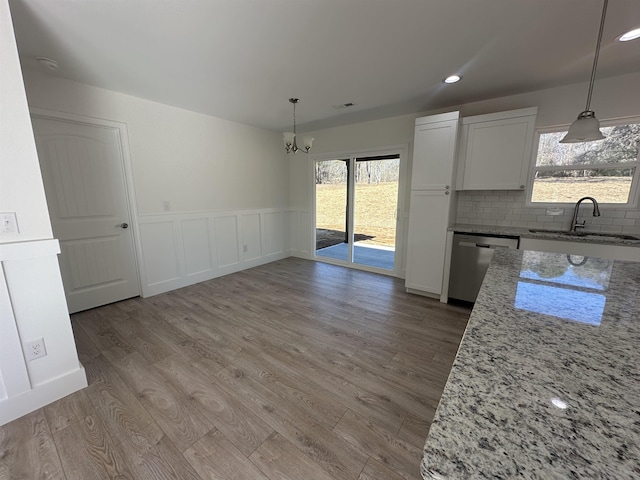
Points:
(242, 59)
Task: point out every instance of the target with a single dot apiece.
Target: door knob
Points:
(123, 225)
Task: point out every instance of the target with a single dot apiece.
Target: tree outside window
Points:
(607, 170)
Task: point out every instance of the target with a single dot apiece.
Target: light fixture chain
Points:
(595, 60)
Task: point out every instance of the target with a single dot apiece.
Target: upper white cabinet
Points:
(434, 152)
(495, 150)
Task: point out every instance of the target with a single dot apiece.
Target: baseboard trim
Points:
(19, 405)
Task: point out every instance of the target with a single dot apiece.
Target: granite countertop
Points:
(524, 232)
(546, 382)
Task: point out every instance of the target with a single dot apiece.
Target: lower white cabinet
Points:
(428, 220)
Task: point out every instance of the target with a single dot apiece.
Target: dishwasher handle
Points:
(480, 245)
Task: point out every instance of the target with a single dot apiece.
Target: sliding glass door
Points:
(332, 239)
(356, 210)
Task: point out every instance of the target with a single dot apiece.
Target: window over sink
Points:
(608, 169)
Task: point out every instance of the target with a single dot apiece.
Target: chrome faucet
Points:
(574, 220)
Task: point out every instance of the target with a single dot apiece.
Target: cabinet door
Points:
(496, 154)
(434, 153)
(428, 222)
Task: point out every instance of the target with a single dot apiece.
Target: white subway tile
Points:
(601, 220)
(630, 222)
(614, 213)
(631, 230)
(611, 229)
(503, 223)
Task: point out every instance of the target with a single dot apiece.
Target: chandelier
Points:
(289, 138)
(586, 128)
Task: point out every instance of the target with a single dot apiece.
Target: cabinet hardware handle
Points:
(123, 225)
(446, 193)
(446, 187)
(521, 187)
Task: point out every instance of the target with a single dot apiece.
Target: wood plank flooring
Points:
(292, 370)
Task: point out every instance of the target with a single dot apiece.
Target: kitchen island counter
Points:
(582, 236)
(546, 382)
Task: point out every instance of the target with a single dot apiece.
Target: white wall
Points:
(213, 172)
(194, 161)
(612, 98)
(28, 263)
(21, 189)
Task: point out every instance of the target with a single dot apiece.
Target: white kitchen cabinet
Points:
(495, 150)
(432, 203)
(428, 222)
(434, 148)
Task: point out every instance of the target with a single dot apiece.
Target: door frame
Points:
(127, 170)
(401, 220)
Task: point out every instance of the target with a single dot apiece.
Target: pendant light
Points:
(289, 138)
(586, 128)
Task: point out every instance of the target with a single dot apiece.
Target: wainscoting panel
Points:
(226, 229)
(274, 233)
(161, 262)
(305, 229)
(298, 233)
(196, 241)
(185, 248)
(251, 237)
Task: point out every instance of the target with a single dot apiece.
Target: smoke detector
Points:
(47, 63)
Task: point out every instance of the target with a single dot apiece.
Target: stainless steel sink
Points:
(616, 236)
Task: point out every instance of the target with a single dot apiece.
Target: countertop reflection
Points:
(546, 383)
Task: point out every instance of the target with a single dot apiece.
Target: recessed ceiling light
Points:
(630, 35)
(452, 79)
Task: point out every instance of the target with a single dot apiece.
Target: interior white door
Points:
(83, 173)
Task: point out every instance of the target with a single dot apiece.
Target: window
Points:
(607, 170)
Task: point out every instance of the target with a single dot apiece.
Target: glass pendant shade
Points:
(307, 142)
(586, 128)
(288, 138)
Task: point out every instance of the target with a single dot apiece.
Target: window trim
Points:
(634, 195)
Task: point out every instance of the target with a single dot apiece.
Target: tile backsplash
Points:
(507, 208)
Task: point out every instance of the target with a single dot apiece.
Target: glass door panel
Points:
(375, 181)
(332, 212)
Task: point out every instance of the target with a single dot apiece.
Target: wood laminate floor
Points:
(293, 370)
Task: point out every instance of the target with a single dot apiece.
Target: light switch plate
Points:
(8, 222)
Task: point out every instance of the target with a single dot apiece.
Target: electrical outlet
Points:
(35, 349)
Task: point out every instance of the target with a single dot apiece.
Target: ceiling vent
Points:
(344, 105)
(47, 63)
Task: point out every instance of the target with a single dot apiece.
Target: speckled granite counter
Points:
(546, 383)
(525, 232)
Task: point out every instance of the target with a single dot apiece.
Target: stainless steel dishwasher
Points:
(470, 259)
